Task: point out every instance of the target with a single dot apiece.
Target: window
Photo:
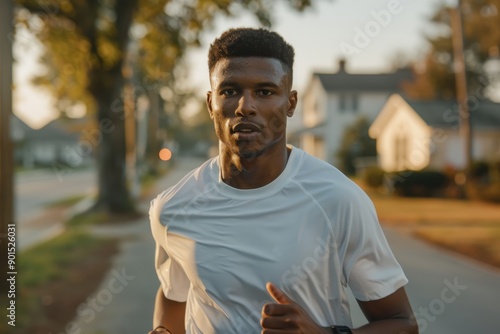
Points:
(342, 102)
(354, 102)
(400, 151)
(348, 102)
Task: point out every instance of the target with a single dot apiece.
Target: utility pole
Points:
(461, 85)
(6, 153)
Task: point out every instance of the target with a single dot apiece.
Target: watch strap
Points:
(341, 330)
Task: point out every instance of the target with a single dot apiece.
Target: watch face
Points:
(342, 330)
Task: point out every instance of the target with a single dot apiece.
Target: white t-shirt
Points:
(311, 231)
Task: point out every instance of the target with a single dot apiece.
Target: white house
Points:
(412, 135)
(58, 141)
(333, 101)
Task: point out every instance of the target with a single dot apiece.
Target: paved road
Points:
(449, 294)
(34, 190)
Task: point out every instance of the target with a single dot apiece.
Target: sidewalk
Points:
(123, 304)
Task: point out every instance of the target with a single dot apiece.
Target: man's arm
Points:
(389, 315)
(392, 314)
(169, 314)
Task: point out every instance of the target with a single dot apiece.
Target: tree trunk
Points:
(114, 194)
(106, 86)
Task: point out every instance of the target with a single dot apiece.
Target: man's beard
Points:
(248, 153)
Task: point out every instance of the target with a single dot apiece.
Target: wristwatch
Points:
(341, 330)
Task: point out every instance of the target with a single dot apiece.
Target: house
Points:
(58, 141)
(412, 135)
(333, 101)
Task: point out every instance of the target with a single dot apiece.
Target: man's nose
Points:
(246, 105)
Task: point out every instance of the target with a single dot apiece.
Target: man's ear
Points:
(209, 104)
(292, 103)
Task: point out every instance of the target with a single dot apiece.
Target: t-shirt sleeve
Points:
(370, 268)
(173, 279)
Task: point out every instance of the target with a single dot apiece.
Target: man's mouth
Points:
(246, 128)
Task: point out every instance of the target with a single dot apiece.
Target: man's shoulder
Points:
(321, 178)
(193, 183)
(314, 170)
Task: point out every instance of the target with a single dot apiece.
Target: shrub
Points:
(419, 183)
(490, 193)
(484, 192)
(480, 171)
(373, 176)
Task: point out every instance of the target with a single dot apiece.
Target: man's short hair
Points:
(250, 42)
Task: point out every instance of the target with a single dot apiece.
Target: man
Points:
(265, 238)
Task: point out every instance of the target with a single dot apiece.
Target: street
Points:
(449, 294)
(35, 189)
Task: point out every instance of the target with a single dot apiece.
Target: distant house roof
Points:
(344, 81)
(58, 129)
(485, 114)
(444, 114)
(18, 128)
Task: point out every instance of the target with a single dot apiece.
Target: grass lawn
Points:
(66, 202)
(480, 243)
(431, 211)
(55, 277)
(471, 228)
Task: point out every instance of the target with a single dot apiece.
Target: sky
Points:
(370, 34)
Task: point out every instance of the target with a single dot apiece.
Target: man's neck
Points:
(253, 173)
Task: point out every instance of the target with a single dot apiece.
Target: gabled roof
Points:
(344, 81)
(16, 122)
(18, 128)
(57, 129)
(445, 114)
(485, 115)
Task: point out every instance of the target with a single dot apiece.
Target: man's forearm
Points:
(169, 314)
(388, 326)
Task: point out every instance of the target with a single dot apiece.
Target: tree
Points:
(87, 44)
(356, 143)
(434, 76)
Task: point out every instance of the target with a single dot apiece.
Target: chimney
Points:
(342, 63)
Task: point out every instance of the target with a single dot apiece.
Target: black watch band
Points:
(341, 330)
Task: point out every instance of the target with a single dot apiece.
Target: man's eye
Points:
(265, 92)
(229, 92)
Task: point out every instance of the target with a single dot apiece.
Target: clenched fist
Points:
(286, 316)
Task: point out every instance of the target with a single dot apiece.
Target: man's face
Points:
(249, 103)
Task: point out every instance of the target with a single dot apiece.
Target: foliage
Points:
(435, 76)
(485, 183)
(355, 143)
(83, 38)
(424, 183)
(374, 176)
(485, 192)
(91, 48)
(480, 170)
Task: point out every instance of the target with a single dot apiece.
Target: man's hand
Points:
(159, 330)
(286, 316)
